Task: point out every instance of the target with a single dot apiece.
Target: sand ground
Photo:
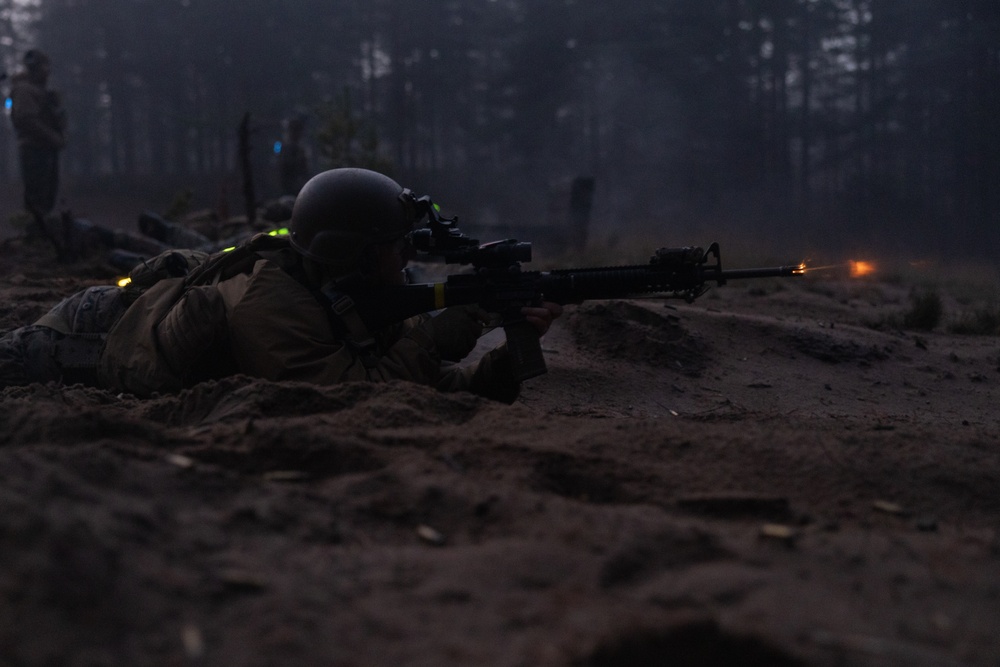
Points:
(780, 473)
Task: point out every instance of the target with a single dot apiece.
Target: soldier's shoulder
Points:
(21, 83)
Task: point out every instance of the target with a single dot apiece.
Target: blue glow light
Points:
(8, 103)
(277, 147)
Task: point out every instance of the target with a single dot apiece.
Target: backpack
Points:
(156, 346)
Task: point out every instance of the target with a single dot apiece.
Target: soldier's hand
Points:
(455, 330)
(541, 316)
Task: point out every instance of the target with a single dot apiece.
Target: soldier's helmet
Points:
(34, 58)
(340, 212)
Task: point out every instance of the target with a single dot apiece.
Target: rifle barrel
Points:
(763, 272)
(382, 306)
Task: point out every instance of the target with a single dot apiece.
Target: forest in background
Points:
(834, 124)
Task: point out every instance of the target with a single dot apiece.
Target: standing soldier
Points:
(40, 122)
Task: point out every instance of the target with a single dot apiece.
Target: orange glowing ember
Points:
(859, 269)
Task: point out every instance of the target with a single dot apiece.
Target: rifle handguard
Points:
(525, 350)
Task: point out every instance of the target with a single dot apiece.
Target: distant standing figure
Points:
(293, 159)
(40, 122)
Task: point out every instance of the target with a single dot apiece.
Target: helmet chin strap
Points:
(329, 277)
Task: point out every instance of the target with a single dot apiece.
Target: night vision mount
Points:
(442, 238)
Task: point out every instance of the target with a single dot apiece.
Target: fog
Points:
(809, 126)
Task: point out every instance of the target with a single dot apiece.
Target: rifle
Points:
(499, 286)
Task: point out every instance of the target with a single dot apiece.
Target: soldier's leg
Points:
(40, 174)
(65, 343)
(85, 236)
(30, 170)
(28, 355)
(90, 311)
(50, 180)
(170, 233)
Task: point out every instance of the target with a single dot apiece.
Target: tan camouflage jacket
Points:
(266, 324)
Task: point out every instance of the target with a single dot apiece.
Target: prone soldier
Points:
(276, 308)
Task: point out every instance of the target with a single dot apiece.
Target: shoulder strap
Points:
(344, 315)
(239, 259)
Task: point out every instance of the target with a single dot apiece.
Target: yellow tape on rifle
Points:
(438, 296)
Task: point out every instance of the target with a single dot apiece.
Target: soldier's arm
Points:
(491, 377)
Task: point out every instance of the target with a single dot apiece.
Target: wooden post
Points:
(249, 197)
(581, 199)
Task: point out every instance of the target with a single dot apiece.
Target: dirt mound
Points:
(836, 350)
(634, 333)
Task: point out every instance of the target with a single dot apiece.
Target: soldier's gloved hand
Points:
(455, 330)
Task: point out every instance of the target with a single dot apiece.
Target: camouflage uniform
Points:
(40, 123)
(261, 321)
(64, 344)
